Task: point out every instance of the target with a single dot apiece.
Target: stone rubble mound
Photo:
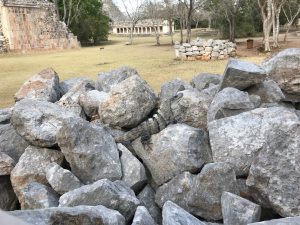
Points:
(224, 149)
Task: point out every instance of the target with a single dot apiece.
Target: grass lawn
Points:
(155, 64)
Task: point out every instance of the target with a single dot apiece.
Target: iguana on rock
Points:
(160, 120)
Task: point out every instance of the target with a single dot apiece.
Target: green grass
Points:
(155, 64)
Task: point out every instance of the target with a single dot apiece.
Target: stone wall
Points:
(201, 49)
(34, 25)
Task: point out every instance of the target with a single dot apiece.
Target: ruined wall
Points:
(34, 25)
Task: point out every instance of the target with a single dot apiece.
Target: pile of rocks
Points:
(201, 49)
(219, 150)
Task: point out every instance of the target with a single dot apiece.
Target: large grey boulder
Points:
(11, 220)
(274, 178)
(114, 195)
(60, 179)
(284, 221)
(284, 69)
(191, 108)
(238, 139)
(134, 173)
(31, 168)
(83, 215)
(91, 100)
(239, 211)
(142, 217)
(147, 199)
(268, 91)
(175, 215)
(204, 80)
(11, 143)
(8, 198)
(38, 121)
(6, 164)
(108, 80)
(43, 86)
(241, 75)
(5, 115)
(67, 85)
(229, 102)
(184, 148)
(39, 196)
(90, 150)
(128, 104)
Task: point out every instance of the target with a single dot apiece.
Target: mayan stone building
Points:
(32, 25)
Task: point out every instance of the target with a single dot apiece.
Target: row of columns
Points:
(138, 30)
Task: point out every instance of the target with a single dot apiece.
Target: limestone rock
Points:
(31, 168)
(43, 86)
(11, 220)
(142, 217)
(284, 221)
(11, 143)
(5, 115)
(90, 150)
(114, 195)
(175, 215)
(268, 90)
(83, 215)
(108, 80)
(39, 196)
(134, 174)
(238, 139)
(241, 75)
(191, 108)
(6, 164)
(147, 199)
(184, 148)
(128, 104)
(91, 100)
(60, 179)
(67, 85)
(8, 198)
(203, 80)
(239, 211)
(284, 69)
(229, 102)
(38, 121)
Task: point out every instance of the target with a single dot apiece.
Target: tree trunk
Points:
(171, 31)
(181, 30)
(189, 22)
(232, 25)
(131, 33)
(209, 22)
(287, 31)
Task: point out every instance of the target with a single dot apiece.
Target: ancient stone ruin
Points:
(222, 149)
(201, 49)
(32, 26)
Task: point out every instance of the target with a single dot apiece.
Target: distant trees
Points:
(291, 11)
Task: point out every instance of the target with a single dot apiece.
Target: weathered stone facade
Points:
(32, 25)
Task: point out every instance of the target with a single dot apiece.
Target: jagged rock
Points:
(90, 150)
(283, 221)
(175, 215)
(274, 178)
(31, 168)
(38, 121)
(134, 174)
(128, 104)
(204, 80)
(147, 199)
(238, 139)
(67, 85)
(268, 91)
(39, 196)
(142, 217)
(184, 148)
(241, 75)
(108, 80)
(114, 195)
(11, 220)
(60, 179)
(200, 194)
(191, 108)
(11, 143)
(211, 91)
(43, 86)
(5, 115)
(284, 69)
(244, 190)
(230, 102)
(91, 100)
(239, 211)
(8, 198)
(83, 215)
(6, 164)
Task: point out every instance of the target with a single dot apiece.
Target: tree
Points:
(291, 10)
(182, 12)
(267, 19)
(276, 10)
(169, 13)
